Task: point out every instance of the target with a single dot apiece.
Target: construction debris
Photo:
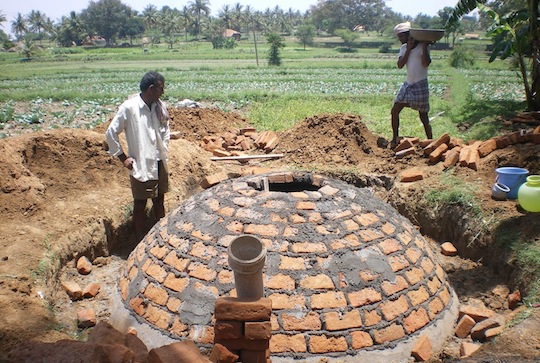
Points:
(236, 142)
(454, 152)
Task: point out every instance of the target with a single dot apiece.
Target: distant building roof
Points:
(228, 33)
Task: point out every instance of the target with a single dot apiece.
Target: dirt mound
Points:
(330, 138)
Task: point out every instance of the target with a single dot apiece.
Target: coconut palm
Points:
(199, 7)
(150, 15)
(225, 14)
(37, 22)
(19, 26)
(2, 18)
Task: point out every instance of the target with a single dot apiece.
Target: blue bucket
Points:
(512, 178)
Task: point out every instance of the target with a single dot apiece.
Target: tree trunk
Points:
(535, 47)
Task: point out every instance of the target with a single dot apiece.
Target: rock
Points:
(220, 354)
(467, 349)
(181, 352)
(514, 299)
(84, 266)
(448, 249)
(86, 318)
(464, 326)
(73, 290)
(91, 290)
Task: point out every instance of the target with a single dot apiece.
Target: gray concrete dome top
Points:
(348, 276)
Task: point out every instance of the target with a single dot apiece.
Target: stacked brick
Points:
(453, 152)
(236, 142)
(244, 328)
(345, 272)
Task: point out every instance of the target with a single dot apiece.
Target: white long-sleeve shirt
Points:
(142, 128)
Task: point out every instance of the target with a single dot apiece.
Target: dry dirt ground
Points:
(62, 196)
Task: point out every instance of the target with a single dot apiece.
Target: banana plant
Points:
(514, 34)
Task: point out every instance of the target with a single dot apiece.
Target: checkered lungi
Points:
(415, 95)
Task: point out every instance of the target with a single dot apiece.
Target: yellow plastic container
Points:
(529, 194)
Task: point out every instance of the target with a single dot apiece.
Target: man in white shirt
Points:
(414, 92)
(145, 122)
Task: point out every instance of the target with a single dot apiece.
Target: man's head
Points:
(402, 31)
(152, 85)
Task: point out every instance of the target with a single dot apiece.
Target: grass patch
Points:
(455, 192)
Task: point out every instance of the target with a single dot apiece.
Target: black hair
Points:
(150, 78)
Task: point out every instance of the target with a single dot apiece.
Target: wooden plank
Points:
(247, 157)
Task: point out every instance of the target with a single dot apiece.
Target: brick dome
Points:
(348, 276)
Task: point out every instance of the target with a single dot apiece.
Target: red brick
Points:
(175, 283)
(478, 314)
(281, 282)
(422, 350)
(305, 205)
(367, 219)
(86, 318)
(292, 263)
(419, 296)
(257, 330)
(180, 264)
(464, 326)
(404, 144)
(156, 271)
(467, 349)
(391, 287)
(389, 246)
(452, 157)
(269, 230)
(158, 317)
(202, 272)
(228, 329)
(301, 322)
(411, 176)
(435, 307)
(389, 334)
(436, 155)
(84, 266)
(244, 343)
(254, 356)
(282, 343)
(392, 309)
(448, 249)
(228, 308)
(156, 294)
(138, 306)
(308, 247)
(487, 147)
(221, 354)
(337, 321)
(324, 344)
(320, 281)
(364, 297)
(443, 139)
(361, 340)
(416, 320)
(372, 318)
(91, 290)
(328, 300)
(284, 301)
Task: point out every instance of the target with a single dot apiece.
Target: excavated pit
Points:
(350, 278)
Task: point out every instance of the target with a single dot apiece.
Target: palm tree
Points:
(19, 26)
(199, 7)
(37, 22)
(186, 17)
(225, 15)
(2, 18)
(150, 15)
(237, 15)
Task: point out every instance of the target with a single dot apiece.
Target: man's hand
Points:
(128, 163)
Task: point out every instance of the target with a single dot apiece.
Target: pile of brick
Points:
(244, 329)
(452, 151)
(238, 141)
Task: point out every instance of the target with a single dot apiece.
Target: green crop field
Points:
(325, 78)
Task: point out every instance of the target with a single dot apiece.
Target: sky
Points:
(55, 9)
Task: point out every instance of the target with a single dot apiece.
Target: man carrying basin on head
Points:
(145, 121)
(414, 92)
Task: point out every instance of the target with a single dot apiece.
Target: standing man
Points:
(414, 93)
(145, 121)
